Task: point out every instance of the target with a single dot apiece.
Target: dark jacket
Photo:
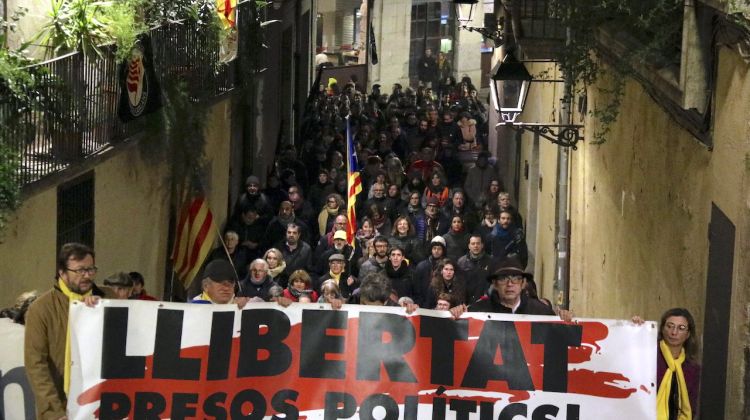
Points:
(401, 279)
(250, 289)
(504, 243)
(421, 279)
(456, 244)
(345, 289)
(299, 259)
(529, 306)
(412, 246)
(456, 288)
(475, 271)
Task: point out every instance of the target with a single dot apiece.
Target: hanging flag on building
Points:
(227, 10)
(196, 232)
(139, 89)
(353, 184)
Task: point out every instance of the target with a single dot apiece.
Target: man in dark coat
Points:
(507, 240)
(423, 271)
(475, 266)
(399, 272)
(507, 295)
(427, 69)
(258, 282)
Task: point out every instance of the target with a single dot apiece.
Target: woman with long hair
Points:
(678, 372)
(437, 188)
(404, 236)
(333, 207)
(365, 232)
(276, 266)
(445, 280)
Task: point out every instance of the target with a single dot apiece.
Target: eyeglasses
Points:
(84, 270)
(512, 280)
(671, 327)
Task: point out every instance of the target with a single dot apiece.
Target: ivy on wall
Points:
(655, 31)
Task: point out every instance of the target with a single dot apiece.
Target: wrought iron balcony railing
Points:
(85, 120)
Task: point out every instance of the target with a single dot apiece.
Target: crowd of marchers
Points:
(435, 230)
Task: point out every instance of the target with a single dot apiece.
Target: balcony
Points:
(86, 93)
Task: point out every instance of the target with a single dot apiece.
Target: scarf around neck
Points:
(72, 296)
(671, 405)
(274, 272)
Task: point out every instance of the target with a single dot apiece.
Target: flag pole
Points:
(229, 257)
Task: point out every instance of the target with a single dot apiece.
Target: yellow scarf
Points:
(204, 296)
(323, 218)
(336, 278)
(71, 297)
(665, 387)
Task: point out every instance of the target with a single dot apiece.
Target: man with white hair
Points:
(257, 283)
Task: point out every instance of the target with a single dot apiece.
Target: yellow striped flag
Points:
(354, 185)
(227, 10)
(196, 232)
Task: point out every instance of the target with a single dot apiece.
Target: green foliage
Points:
(74, 25)
(655, 26)
(124, 25)
(10, 191)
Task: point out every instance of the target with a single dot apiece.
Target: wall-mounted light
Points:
(465, 11)
(510, 88)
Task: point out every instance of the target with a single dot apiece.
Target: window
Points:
(432, 26)
(75, 211)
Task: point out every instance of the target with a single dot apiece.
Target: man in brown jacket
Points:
(46, 351)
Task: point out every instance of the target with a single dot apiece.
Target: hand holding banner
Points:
(320, 363)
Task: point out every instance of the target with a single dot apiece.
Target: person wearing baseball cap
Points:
(218, 282)
(506, 294)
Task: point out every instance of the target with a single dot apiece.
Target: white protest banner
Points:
(141, 359)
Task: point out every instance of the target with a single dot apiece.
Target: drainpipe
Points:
(562, 269)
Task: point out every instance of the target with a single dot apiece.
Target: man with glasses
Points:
(47, 342)
(506, 294)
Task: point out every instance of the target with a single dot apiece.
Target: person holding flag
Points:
(354, 184)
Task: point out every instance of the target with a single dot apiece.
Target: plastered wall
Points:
(640, 209)
(131, 216)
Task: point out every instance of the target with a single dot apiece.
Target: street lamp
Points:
(465, 11)
(510, 88)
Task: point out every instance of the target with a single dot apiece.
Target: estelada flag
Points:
(354, 185)
(196, 232)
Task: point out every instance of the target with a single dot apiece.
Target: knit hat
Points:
(438, 240)
(433, 201)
